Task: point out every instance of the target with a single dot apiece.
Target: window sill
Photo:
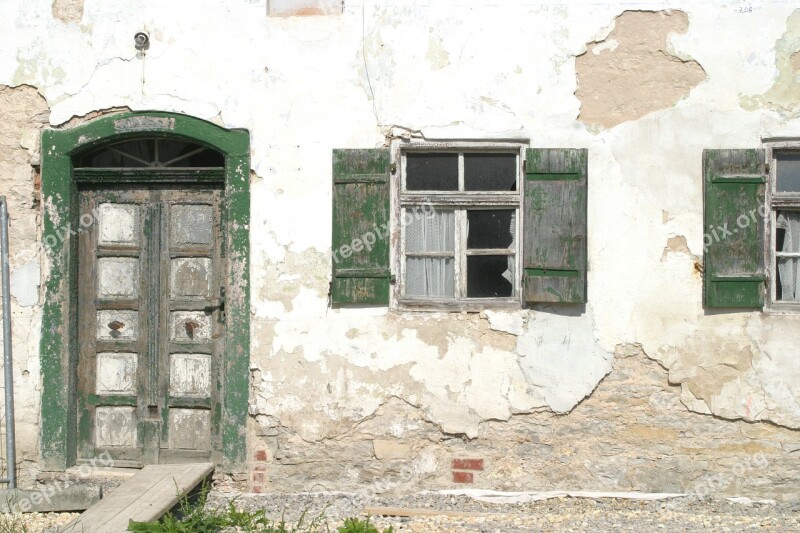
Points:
(473, 305)
(783, 309)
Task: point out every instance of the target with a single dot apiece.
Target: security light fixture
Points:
(142, 41)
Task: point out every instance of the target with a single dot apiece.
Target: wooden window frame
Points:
(774, 202)
(459, 201)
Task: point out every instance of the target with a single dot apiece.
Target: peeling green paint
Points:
(58, 346)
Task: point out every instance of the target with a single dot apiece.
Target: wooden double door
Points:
(151, 324)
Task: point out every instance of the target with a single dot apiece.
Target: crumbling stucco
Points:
(633, 72)
(68, 10)
(784, 95)
(632, 433)
(23, 113)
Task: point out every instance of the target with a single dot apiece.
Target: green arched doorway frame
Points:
(58, 348)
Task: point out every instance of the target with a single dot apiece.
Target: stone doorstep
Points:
(95, 475)
(50, 498)
(101, 473)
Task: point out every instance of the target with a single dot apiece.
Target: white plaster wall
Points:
(459, 70)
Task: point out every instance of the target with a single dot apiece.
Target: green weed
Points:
(192, 516)
(356, 525)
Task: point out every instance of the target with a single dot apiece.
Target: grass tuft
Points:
(192, 516)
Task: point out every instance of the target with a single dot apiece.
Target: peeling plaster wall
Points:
(632, 72)
(23, 113)
(550, 398)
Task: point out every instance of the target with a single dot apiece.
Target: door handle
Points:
(218, 305)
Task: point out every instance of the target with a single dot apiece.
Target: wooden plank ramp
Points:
(146, 496)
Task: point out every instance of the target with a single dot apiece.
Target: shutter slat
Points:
(361, 272)
(734, 187)
(555, 233)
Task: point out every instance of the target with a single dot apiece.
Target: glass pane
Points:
(140, 153)
(128, 154)
(490, 172)
(431, 172)
(788, 172)
(430, 232)
(490, 276)
(490, 228)
(788, 241)
(430, 276)
(788, 289)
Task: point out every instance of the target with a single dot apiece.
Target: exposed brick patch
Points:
(258, 473)
(467, 464)
(462, 477)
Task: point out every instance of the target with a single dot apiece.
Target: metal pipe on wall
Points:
(11, 459)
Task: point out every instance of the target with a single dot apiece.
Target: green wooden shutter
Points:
(554, 247)
(733, 193)
(361, 273)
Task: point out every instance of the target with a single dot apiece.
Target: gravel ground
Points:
(33, 522)
(556, 515)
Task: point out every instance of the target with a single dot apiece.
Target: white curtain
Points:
(430, 276)
(789, 267)
(510, 274)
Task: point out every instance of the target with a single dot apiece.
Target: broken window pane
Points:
(788, 172)
(430, 276)
(788, 242)
(431, 172)
(490, 276)
(490, 228)
(490, 172)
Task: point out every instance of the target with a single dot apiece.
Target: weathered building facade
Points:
(393, 245)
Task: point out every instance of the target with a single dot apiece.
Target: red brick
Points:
(258, 476)
(257, 489)
(467, 464)
(462, 477)
(259, 467)
(261, 455)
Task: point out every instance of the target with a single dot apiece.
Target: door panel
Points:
(193, 322)
(151, 314)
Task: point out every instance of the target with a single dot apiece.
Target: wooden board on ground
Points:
(146, 496)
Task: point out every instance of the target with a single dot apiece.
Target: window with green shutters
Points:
(734, 184)
(459, 226)
(751, 231)
(361, 273)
